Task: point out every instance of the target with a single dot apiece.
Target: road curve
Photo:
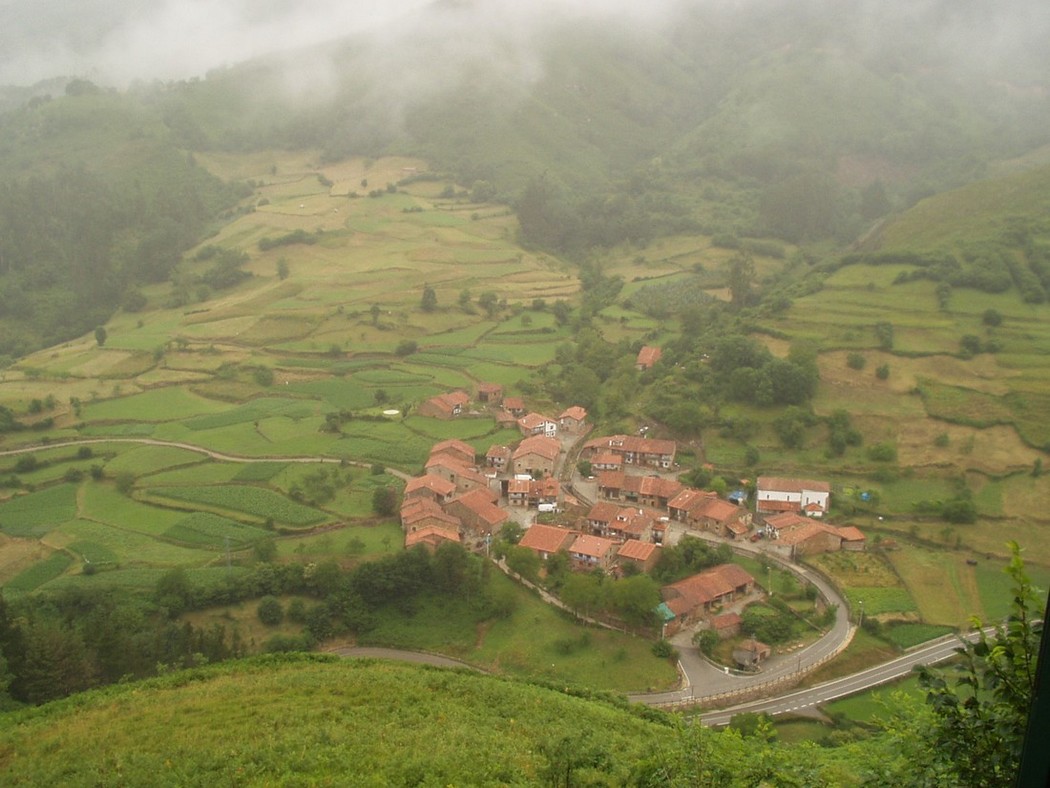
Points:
(935, 651)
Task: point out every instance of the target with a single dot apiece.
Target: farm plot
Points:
(202, 473)
(257, 502)
(849, 569)
(105, 505)
(126, 548)
(259, 471)
(203, 529)
(251, 412)
(165, 404)
(943, 585)
(880, 600)
(39, 573)
(144, 460)
(37, 513)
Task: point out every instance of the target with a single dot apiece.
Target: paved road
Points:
(701, 679)
(936, 651)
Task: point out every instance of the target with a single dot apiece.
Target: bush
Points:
(856, 360)
(270, 611)
(406, 347)
(882, 371)
(664, 650)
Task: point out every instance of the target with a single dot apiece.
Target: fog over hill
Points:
(116, 42)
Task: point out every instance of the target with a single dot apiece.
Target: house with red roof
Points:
(726, 625)
(498, 458)
(647, 357)
(444, 406)
(852, 538)
(643, 555)
(459, 450)
(491, 393)
(588, 553)
(644, 490)
(634, 450)
(431, 537)
(775, 494)
(546, 540)
(479, 513)
(607, 461)
(536, 456)
(515, 406)
(537, 424)
(694, 597)
(430, 486)
(573, 420)
(417, 513)
(464, 477)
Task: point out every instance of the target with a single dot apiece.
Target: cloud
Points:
(116, 41)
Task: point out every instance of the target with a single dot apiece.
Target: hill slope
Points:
(318, 720)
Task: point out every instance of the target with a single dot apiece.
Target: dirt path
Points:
(215, 455)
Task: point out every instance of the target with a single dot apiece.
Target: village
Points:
(616, 519)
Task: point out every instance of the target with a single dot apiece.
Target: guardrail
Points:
(753, 691)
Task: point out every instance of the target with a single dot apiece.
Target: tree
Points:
(741, 275)
(374, 310)
(385, 501)
(981, 715)
(428, 302)
(270, 611)
(100, 335)
(992, 317)
(488, 301)
(282, 269)
(265, 549)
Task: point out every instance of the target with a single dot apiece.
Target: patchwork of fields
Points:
(336, 328)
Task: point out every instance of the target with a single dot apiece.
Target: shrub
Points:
(664, 650)
(270, 611)
(856, 360)
(882, 371)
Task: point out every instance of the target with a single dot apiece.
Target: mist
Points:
(115, 42)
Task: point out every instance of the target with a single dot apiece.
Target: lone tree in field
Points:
(385, 501)
(101, 335)
(428, 303)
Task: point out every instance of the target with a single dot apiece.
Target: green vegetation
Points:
(258, 502)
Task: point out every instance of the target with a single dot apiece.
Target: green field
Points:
(37, 513)
(258, 502)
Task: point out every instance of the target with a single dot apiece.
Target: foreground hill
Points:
(320, 720)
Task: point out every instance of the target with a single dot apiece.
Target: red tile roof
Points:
(637, 550)
(430, 535)
(547, 538)
(540, 445)
(632, 443)
(575, 412)
(435, 484)
(780, 484)
(593, 546)
(851, 533)
(454, 447)
(648, 356)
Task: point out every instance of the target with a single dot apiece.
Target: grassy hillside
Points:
(325, 721)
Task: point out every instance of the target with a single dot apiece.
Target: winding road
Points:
(703, 682)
